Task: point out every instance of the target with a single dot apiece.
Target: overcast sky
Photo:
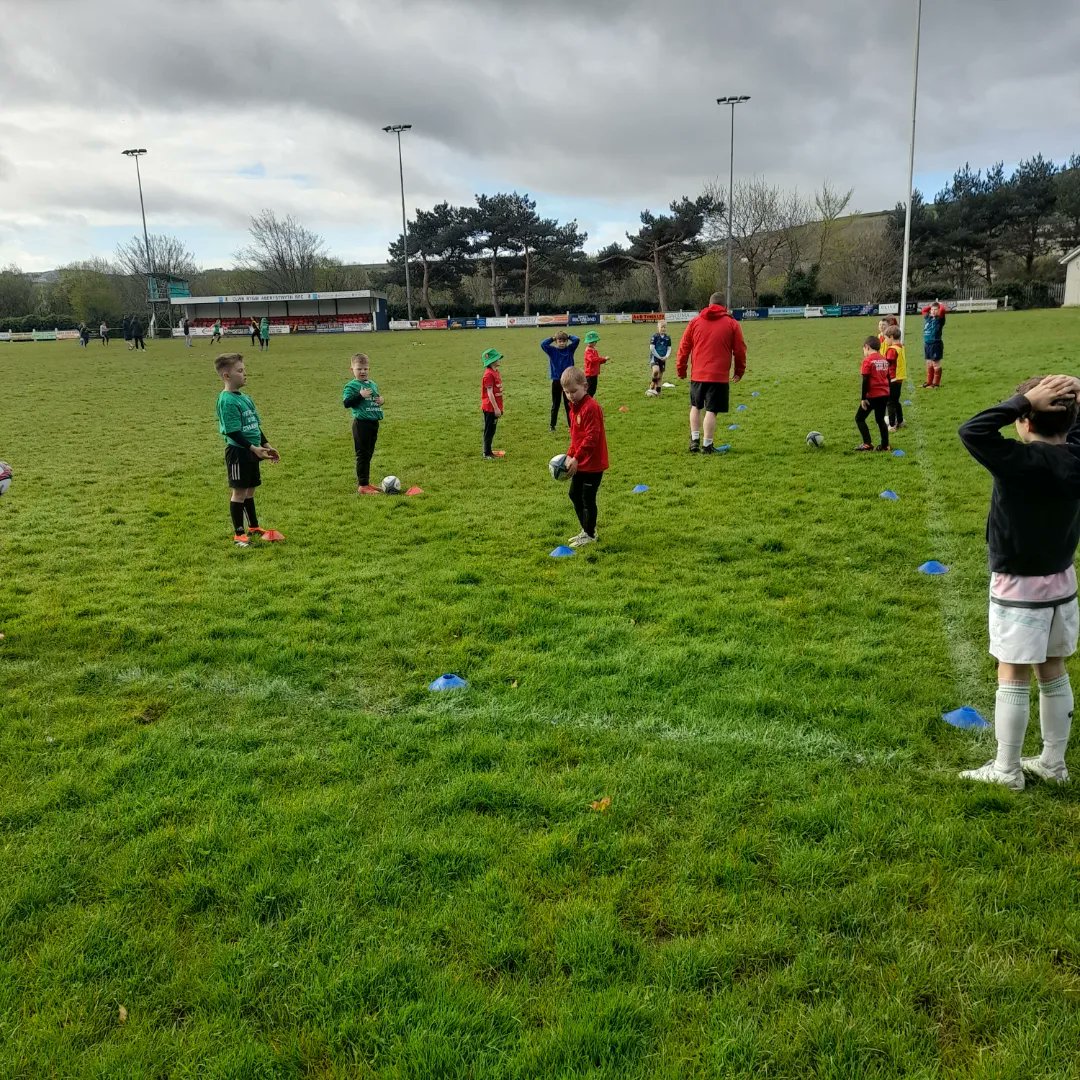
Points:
(598, 108)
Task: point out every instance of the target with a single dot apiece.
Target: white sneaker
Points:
(1055, 774)
(652, 393)
(582, 540)
(573, 539)
(991, 774)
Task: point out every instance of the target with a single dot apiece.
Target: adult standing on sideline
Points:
(137, 333)
(711, 341)
(253, 330)
(103, 332)
(264, 334)
(185, 326)
(560, 353)
(127, 331)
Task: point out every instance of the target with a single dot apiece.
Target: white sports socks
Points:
(1011, 707)
(1055, 719)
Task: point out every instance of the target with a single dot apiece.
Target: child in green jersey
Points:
(245, 446)
(362, 397)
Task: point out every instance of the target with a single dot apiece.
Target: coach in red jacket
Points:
(712, 340)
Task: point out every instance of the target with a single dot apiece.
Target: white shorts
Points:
(1029, 635)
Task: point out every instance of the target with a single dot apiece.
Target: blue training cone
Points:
(449, 682)
(733, 427)
(889, 494)
(741, 408)
(756, 393)
(640, 489)
(933, 567)
(722, 449)
(966, 718)
(908, 402)
(562, 551)
(898, 453)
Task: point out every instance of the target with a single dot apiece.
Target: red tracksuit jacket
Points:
(588, 443)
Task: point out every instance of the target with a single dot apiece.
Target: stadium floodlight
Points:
(911, 172)
(732, 100)
(397, 129)
(136, 154)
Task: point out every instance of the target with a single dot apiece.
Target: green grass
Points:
(230, 805)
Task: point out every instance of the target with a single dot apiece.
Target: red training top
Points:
(492, 380)
(593, 360)
(588, 443)
(710, 342)
(892, 356)
(875, 371)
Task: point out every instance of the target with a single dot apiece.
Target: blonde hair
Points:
(892, 333)
(227, 360)
(360, 358)
(572, 376)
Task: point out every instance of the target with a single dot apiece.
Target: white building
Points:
(1071, 260)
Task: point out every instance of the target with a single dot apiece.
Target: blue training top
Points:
(559, 359)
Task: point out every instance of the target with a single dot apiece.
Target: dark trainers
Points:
(708, 448)
(862, 447)
(695, 446)
(882, 449)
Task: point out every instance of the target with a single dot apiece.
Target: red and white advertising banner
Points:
(522, 320)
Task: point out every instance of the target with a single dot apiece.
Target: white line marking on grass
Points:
(964, 653)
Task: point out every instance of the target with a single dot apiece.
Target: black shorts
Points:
(658, 363)
(710, 396)
(242, 466)
(934, 350)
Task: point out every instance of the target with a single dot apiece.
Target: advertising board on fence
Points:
(786, 312)
(463, 322)
(356, 327)
(679, 316)
(68, 335)
(888, 309)
(584, 320)
(751, 313)
(495, 322)
(522, 320)
(813, 312)
(552, 320)
(646, 316)
(832, 311)
(975, 305)
(432, 324)
(402, 324)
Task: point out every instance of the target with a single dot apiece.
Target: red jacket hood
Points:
(714, 311)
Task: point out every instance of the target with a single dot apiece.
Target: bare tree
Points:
(758, 214)
(865, 267)
(283, 255)
(169, 256)
(829, 205)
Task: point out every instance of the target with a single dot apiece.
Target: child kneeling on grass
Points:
(362, 396)
(245, 446)
(587, 458)
(1032, 533)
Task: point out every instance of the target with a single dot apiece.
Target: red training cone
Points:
(415, 491)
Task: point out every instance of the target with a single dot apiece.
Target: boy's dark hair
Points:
(226, 360)
(872, 343)
(717, 299)
(1050, 423)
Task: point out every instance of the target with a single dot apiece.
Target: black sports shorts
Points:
(710, 396)
(934, 350)
(242, 466)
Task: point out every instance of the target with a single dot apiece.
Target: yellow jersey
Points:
(901, 359)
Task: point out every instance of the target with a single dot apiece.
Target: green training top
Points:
(367, 409)
(236, 412)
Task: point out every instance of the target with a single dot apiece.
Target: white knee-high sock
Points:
(1011, 707)
(1055, 719)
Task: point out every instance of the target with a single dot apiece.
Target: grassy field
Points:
(239, 837)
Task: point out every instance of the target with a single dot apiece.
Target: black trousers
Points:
(896, 410)
(878, 405)
(254, 336)
(139, 343)
(364, 435)
(490, 420)
(583, 489)
(557, 395)
(590, 384)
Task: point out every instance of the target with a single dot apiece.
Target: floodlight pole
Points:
(136, 154)
(911, 171)
(398, 129)
(732, 101)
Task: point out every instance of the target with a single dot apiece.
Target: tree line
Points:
(985, 229)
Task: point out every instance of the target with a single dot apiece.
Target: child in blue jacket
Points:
(560, 353)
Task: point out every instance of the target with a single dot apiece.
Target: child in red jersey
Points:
(587, 458)
(593, 360)
(875, 394)
(491, 398)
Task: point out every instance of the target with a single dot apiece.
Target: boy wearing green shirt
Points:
(245, 446)
(361, 396)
